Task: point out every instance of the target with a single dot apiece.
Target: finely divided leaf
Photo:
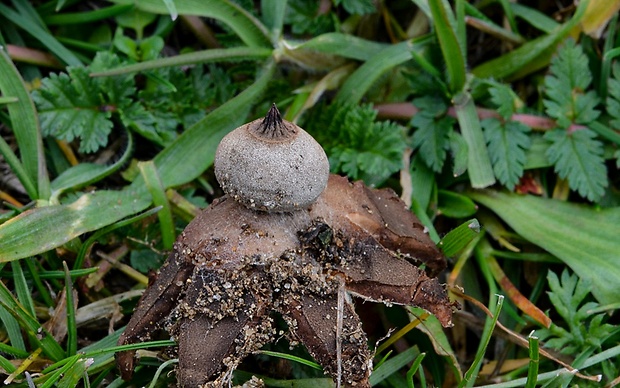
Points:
(613, 97)
(507, 143)
(433, 129)
(503, 96)
(69, 107)
(578, 157)
(568, 102)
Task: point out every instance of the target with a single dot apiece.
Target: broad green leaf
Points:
(478, 161)
(362, 79)
(25, 127)
(42, 229)
(586, 239)
(153, 184)
(507, 142)
(250, 30)
(578, 157)
(336, 43)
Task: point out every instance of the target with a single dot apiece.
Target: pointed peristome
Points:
(273, 127)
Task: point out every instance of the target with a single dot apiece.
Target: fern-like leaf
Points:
(568, 101)
(69, 107)
(578, 157)
(433, 128)
(507, 143)
(356, 144)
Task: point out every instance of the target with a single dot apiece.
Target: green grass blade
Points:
(470, 376)
(458, 238)
(531, 56)
(273, 16)
(41, 229)
(153, 183)
(21, 288)
(585, 238)
(85, 174)
(43, 36)
(393, 365)
(17, 168)
(26, 129)
(415, 365)
(450, 47)
(362, 79)
(535, 18)
(12, 329)
(532, 370)
(71, 307)
(290, 357)
(247, 27)
(478, 161)
(205, 56)
(86, 17)
(28, 323)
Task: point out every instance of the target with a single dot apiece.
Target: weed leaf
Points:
(578, 157)
(507, 143)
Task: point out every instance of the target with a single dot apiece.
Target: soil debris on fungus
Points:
(234, 266)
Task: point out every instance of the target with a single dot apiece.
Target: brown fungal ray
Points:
(232, 266)
(154, 306)
(315, 323)
(381, 214)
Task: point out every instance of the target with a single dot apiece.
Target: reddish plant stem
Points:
(32, 56)
(406, 110)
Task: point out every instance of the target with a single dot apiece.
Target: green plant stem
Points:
(478, 162)
(532, 371)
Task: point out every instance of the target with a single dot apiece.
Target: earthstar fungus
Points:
(302, 257)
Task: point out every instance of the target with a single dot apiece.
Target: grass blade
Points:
(450, 47)
(153, 183)
(250, 30)
(26, 129)
(43, 36)
(85, 174)
(71, 307)
(478, 161)
(36, 333)
(204, 56)
(86, 17)
(470, 376)
(336, 43)
(393, 365)
(362, 79)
